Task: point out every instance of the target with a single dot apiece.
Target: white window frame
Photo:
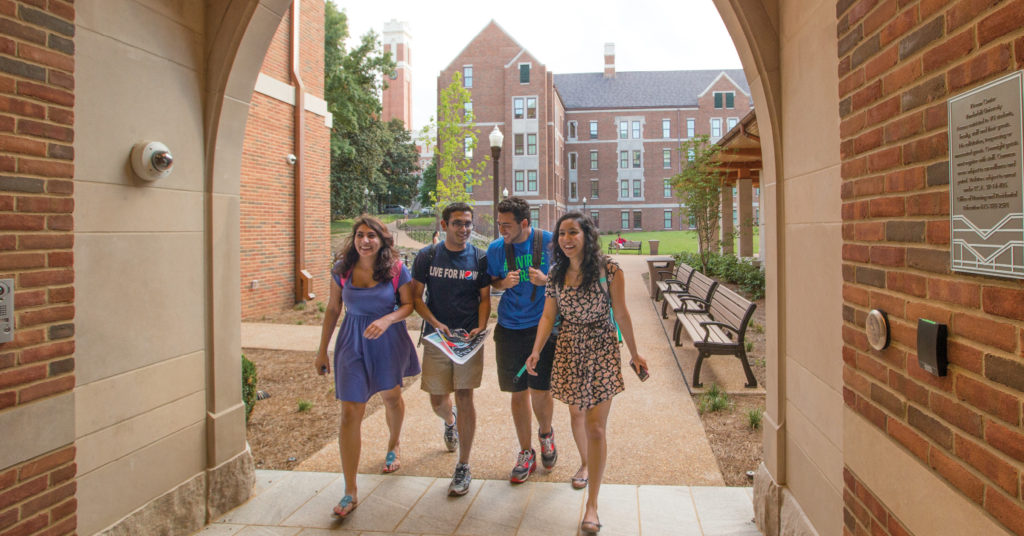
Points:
(468, 110)
(668, 219)
(667, 185)
(623, 159)
(573, 190)
(691, 127)
(623, 130)
(521, 102)
(666, 158)
(637, 189)
(536, 181)
(638, 159)
(593, 159)
(467, 76)
(595, 188)
(572, 130)
(624, 220)
(595, 216)
(518, 144)
(534, 216)
(636, 130)
(731, 122)
(623, 188)
(534, 108)
(593, 130)
(467, 144)
(716, 122)
(666, 128)
(531, 148)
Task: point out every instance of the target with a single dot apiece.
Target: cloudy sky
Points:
(568, 36)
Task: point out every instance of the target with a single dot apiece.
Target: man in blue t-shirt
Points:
(454, 273)
(518, 263)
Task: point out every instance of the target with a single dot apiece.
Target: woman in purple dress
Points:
(373, 351)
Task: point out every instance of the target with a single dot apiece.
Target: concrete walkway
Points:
(662, 477)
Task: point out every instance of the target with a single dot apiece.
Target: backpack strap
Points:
(396, 268)
(603, 281)
(538, 242)
(510, 256)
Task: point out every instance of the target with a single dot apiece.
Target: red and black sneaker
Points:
(525, 465)
(548, 452)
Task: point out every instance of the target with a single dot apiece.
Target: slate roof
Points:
(640, 89)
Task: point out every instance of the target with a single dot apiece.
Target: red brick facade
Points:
(267, 186)
(37, 100)
(899, 62)
(496, 59)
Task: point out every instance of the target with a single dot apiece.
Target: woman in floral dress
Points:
(586, 372)
(373, 351)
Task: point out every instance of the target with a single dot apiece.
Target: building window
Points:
(593, 159)
(636, 130)
(468, 145)
(572, 190)
(623, 159)
(731, 122)
(517, 108)
(519, 145)
(636, 159)
(636, 189)
(666, 128)
(637, 221)
(668, 187)
(594, 189)
(535, 216)
(624, 130)
(666, 158)
(469, 111)
(593, 130)
(726, 98)
(623, 189)
(524, 73)
(572, 130)
(531, 181)
(531, 144)
(469, 187)
(467, 76)
(572, 161)
(625, 219)
(716, 128)
(520, 184)
(668, 219)
(690, 155)
(595, 217)
(690, 127)
(531, 108)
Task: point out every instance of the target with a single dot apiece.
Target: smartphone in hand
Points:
(641, 372)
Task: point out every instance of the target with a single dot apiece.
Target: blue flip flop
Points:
(344, 503)
(391, 463)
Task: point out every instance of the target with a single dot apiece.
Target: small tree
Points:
(456, 144)
(698, 187)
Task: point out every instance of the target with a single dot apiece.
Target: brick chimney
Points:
(609, 60)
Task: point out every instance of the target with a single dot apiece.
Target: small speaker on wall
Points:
(931, 346)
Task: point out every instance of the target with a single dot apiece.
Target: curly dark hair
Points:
(518, 206)
(593, 259)
(387, 255)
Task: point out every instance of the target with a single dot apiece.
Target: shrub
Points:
(714, 399)
(249, 381)
(305, 405)
(730, 269)
(754, 417)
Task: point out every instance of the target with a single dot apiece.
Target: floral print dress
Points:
(587, 368)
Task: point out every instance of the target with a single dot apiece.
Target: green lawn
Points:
(669, 242)
(345, 226)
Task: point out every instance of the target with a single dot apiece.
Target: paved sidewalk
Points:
(289, 503)
(661, 478)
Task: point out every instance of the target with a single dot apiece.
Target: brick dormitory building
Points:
(604, 143)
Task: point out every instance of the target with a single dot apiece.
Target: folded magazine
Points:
(459, 347)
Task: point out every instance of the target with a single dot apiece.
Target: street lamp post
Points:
(366, 197)
(504, 193)
(496, 139)
(584, 206)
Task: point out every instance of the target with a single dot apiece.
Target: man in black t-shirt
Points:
(454, 273)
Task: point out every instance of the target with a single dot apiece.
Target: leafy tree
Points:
(401, 162)
(698, 187)
(353, 80)
(456, 145)
(429, 184)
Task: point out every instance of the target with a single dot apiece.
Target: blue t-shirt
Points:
(516, 310)
(453, 282)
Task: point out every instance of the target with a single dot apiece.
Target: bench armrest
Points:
(723, 325)
(684, 298)
(662, 274)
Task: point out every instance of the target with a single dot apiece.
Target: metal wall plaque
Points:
(877, 328)
(986, 182)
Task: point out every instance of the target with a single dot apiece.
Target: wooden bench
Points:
(673, 282)
(695, 299)
(615, 247)
(720, 330)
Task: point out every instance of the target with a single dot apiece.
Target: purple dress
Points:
(362, 366)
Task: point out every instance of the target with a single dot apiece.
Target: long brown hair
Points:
(387, 255)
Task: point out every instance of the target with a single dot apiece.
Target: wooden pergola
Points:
(740, 160)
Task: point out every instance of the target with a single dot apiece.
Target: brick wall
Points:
(267, 187)
(864, 514)
(36, 237)
(899, 62)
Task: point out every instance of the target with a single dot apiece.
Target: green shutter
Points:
(718, 100)
(729, 100)
(524, 73)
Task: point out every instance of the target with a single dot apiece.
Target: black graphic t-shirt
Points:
(453, 284)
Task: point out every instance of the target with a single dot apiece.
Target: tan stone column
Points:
(746, 208)
(726, 245)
